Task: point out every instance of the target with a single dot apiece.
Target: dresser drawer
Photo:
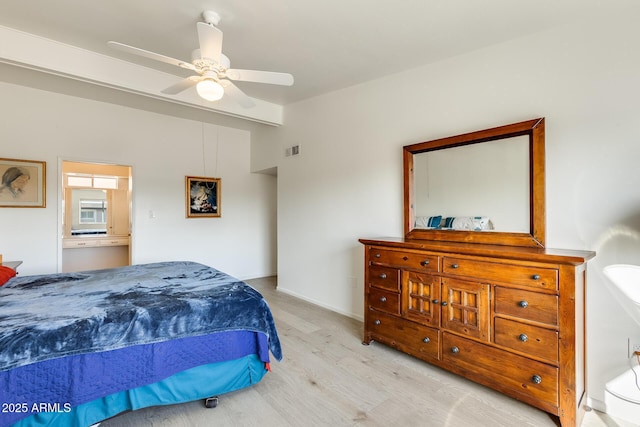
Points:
(417, 261)
(533, 340)
(92, 243)
(114, 241)
(535, 277)
(527, 305)
(417, 340)
(79, 243)
(385, 278)
(515, 375)
(384, 300)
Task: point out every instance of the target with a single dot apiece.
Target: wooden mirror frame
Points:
(534, 129)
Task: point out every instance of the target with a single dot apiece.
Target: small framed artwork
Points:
(202, 197)
(22, 183)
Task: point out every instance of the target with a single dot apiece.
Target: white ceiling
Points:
(327, 45)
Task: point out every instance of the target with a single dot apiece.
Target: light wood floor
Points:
(327, 377)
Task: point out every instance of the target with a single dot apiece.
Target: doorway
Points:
(96, 219)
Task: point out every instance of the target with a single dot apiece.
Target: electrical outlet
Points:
(634, 346)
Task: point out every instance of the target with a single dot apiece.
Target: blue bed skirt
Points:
(193, 384)
(74, 380)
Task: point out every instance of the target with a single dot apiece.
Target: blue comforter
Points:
(50, 316)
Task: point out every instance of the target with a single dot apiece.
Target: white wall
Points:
(46, 126)
(347, 183)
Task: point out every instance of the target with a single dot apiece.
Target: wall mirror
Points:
(89, 212)
(481, 187)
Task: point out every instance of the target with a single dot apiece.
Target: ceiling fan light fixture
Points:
(210, 90)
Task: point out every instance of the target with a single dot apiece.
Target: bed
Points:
(78, 348)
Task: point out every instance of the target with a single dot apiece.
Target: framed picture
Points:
(22, 183)
(202, 197)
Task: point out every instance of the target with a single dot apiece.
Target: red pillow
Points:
(6, 273)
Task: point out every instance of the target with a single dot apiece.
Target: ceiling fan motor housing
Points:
(205, 64)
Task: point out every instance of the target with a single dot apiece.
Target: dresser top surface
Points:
(563, 256)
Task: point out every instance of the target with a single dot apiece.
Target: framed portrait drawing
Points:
(202, 197)
(22, 183)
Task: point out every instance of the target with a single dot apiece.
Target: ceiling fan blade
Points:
(181, 85)
(236, 94)
(270, 77)
(210, 41)
(150, 55)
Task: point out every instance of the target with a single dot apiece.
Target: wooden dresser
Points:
(510, 318)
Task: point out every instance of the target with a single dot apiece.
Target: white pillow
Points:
(475, 223)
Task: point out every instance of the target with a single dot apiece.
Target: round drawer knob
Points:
(383, 299)
(536, 277)
(377, 322)
(454, 265)
(523, 337)
(436, 301)
(425, 263)
(444, 303)
(537, 379)
(455, 350)
(523, 304)
(383, 276)
(377, 255)
(425, 340)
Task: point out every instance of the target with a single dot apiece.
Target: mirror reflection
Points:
(88, 211)
(478, 187)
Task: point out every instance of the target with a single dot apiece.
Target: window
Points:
(108, 182)
(93, 211)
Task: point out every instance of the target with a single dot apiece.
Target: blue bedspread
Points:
(50, 316)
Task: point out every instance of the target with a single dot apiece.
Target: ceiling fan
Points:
(213, 80)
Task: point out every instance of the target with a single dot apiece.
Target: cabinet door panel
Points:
(422, 297)
(465, 308)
